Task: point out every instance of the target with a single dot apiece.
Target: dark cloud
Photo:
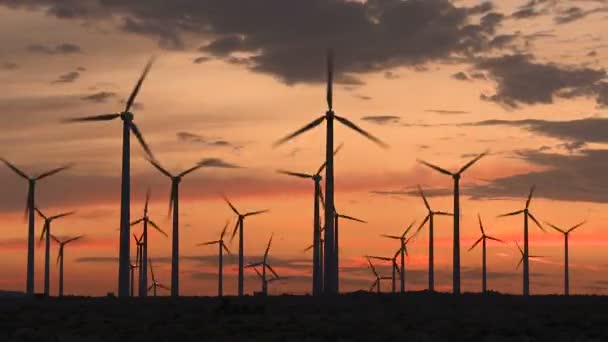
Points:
(530, 10)
(9, 66)
(101, 96)
(413, 191)
(382, 119)
(362, 97)
(461, 76)
(446, 112)
(219, 163)
(576, 13)
(61, 49)
(592, 53)
(69, 77)
(277, 37)
(521, 80)
(211, 142)
(202, 59)
(389, 75)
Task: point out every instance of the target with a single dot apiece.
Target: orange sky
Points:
(250, 109)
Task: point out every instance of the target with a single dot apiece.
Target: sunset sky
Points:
(437, 80)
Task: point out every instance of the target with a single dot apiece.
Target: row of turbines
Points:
(325, 247)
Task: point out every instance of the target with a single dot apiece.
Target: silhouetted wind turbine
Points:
(266, 282)
(239, 226)
(46, 234)
(456, 177)
(524, 259)
(265, 265)
(403, 240)
(336, 254)
(132, 268)
(566, 270)
(143, 249)
(155, 284)
(527, 214)
(430, 219)
(321, 259)
(222, 247)
(29, 211)
(125, 198)
(376, 283)
(317, 281)
(62, 244)
(483, 239)
(174, 206)
(139, 243)
(395, 267)
(331, 268)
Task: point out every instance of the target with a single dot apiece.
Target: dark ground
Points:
(354, 317)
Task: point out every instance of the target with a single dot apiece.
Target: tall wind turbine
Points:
(430, 219)
(317, 279)
(143, 250)
(376, 283)
(483, 239)
(265, 265)
(46, 234)
(222, 247)
(240, 226)
(29, 211)
(139, 243)
(331, 268)
(403, 240)
(394, 267)
(566, 236)
(456, 177)
(336, 254)
(174, 206)
(125, 198)
(155, 284)
(62, 244)
(527, 214)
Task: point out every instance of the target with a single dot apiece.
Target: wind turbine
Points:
(222, 247)
(402, 251)
(132, 268)
(240, 226)
(125, 198)
(430, 219)
(320, 265)
(29, 211)
(46, 234)
(376, 283)
(265, 281)
(317, 279)
(143, 248)
(155, 284)
(566, 271)
(524, 258)
(62, 244)
(331, 267)
(456, 177)
(174, 206)
(265, 265)
(395, 267)
(527, 214)
(337, 217)
(483, 239)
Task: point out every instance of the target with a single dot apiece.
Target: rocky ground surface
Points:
(354, 317)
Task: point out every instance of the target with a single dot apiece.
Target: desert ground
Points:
(351, 317)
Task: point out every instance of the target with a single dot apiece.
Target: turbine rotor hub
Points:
(126, 116)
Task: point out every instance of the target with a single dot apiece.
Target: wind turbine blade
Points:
(190, 170)
(40, 213)
(371, 288)
(224, 230)
(426, 219)
(141, 140)
(530, 196)
(308, 127)
(226, 249)
(519, 263)
(371, 266)
(55, 239)
(576, 226)
(14, 168)
(555, 227)
(258, 272)
(207, 243)
(391, 237)
(469, 164)
(134, 223)
(159, 168)
(495, 239)
(476, 243)
(102, 117)
(308, 248)
(59, 255)
(408, 229)
(271, 270)
(330, 78)
(171, 199)
(321, 197)
(52, 172)
(45, 229)
(511, 214)
(73, 239)
(426, 203)
(256, 212)
(61, 215)
(351, 125)
(163, 287)
(236, 227)
(536, 221)
(268, 247)
(231, 206)
(442, 213)
(519, 247)
(483, 233)
(379, 258)
(147, 201)
(435, 167)
(27, 204)
(135, 91)
(295, 174)
(322, 167)
(152, 270)
(351, 218)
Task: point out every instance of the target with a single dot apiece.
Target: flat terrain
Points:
(353, 317)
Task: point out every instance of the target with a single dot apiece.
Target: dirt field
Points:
(354, 317)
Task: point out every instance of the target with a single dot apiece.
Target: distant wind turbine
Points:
(403, 240)
(430, 219)
(524, 258)
(125, 198)
(46, 234)
(336, 254)
(222, 247)
(317, 279)
(566, 236)
(62, 244)
(143, 249)
(527, 214)
(265, 265)
(376, 283)
(155, 284)
(483, 239)
(139, 243)
(456, 177)
(331, 284)
(29, 211)
(132, 268)
(394, 268)
(240, 226)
